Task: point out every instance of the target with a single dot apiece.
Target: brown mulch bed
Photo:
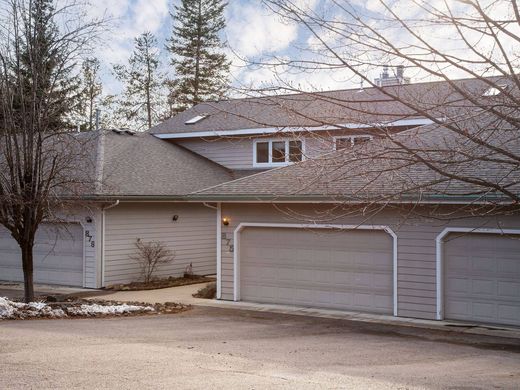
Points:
(161, 283)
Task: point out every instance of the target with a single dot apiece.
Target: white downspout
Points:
(219, 246)
(103, 240)
(219, 251)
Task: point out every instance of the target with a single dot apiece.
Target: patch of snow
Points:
(7, 310)
(95, 309)
(13, 310)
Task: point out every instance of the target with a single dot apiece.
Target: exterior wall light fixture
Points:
(175, 218)
(225, 221)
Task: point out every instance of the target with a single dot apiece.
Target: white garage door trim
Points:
(439, 241)
(243, 225)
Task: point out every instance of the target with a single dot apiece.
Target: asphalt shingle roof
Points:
(363, 106)
(142, 165)
(381, 170)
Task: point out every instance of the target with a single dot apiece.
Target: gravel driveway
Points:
(211, 348)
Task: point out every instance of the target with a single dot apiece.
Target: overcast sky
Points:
(251, 31)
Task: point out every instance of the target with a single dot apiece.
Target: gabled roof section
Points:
(143, 166)
(381, 171)
(350, 107)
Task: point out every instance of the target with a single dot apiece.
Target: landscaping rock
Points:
(80, 308)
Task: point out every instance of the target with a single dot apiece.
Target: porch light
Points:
(225, 221)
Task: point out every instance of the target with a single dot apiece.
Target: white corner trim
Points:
(243, 225)
(281, 130)
(103, 228)
(439, 268)
(219, 251)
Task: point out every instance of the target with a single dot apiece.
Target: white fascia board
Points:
(278, 130)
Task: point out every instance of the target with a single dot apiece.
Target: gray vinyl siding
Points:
(237, 153)
(192, 238)
(416, 272)
(230, 153)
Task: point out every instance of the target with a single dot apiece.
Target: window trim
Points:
(351, 137)
(270, 141)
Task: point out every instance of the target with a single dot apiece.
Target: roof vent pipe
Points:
(385, 72)
(400, 71)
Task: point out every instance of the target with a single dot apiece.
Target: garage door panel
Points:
(509, 290)
(339, 270)
(509, 267)
(509, 312)
(482, 279)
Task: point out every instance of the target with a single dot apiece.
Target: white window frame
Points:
(270, 141)
(352, 138)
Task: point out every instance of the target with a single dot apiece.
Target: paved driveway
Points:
(212, 348)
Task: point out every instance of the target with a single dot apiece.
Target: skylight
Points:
(195, 119)
(494, 91)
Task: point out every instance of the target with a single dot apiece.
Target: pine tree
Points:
(42, 69)
(201, 68)
(142, 96)
(91, 90)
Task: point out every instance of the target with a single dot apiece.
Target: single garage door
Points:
(58, 255)
(482, 278)
(348, 270)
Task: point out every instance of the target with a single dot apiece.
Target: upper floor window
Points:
(277, 152)
(350, 141)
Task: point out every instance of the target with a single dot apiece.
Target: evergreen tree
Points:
(142, 97)
(201, 68)
(46, 75)
(91, 90)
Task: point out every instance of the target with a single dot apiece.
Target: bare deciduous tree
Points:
(40, 45)
(151, 255)
(431, 41)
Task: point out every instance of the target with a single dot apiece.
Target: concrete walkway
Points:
(184, 295)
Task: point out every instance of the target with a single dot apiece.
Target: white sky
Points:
(252, 32)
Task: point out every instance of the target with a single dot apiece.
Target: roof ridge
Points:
(357, 88)
(100, 162)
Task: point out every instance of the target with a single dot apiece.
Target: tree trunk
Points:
(27, 262)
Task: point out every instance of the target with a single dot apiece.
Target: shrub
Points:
(208, 292)
(150, 255)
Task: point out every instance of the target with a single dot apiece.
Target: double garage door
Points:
(353, 270)
(348, 270)
(58, 255)
(482, 278)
